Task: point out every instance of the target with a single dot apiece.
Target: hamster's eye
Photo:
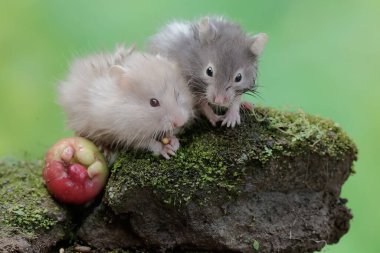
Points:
(209, 72)
(238, 78)
(154, 102)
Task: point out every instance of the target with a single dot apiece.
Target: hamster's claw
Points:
(232, 118)
(165, 155)
(167, 150)
(170, 150)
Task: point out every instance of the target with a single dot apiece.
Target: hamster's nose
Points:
(176, 123)
(219, 99)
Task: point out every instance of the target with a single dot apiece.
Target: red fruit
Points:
(75, 171)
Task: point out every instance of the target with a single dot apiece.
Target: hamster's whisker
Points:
(142, 140)
(156, 134)
(138, 138)
(254, 94)
(257, 85)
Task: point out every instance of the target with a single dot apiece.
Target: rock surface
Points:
(30, 220)
(269, 185)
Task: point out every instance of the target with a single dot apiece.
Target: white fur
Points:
(116, 111)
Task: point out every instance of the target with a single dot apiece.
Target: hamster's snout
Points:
(219, 99)
(176, 122)
(176, 118)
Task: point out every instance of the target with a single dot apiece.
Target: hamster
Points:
(127, 99)
(218, 60)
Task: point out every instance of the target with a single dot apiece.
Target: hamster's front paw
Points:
(174, 142)
(232, 118)
(214, 118)
(210, 114)
(166, 150)
(170, 148)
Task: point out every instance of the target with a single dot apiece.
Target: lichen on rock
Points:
(27, 211)
(23, 198)
(301, 131)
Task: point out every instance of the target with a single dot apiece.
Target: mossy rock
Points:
(214, 159)
(31, 221)
(232, 190)
(237, 190)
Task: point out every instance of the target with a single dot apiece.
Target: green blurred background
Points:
(322, 56)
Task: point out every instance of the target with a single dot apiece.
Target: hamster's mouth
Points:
(219, 106)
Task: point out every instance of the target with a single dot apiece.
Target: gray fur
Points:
(211, 40)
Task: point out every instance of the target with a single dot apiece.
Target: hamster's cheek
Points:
(210, 92)
(160, 121)
(230, 94)
(185, 114)
(207, 80)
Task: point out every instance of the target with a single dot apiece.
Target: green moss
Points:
(24, 202)
(255, 245)
(214, 158)
(300, 131)
(196, 167)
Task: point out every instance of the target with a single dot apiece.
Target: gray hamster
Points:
(218, 60)
(127, 99)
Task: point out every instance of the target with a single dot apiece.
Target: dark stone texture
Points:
(270, 185)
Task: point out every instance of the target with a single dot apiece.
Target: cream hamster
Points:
(127, 99)
(218, 60)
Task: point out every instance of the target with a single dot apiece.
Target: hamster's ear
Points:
(207, 31)
(258, 42)
(120, 75)
(121, 52)
(131, 49)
